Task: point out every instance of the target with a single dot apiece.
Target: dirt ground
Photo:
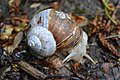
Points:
(18, 62)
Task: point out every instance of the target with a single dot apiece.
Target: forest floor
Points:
(17, 61)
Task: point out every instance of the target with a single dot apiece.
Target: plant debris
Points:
(105, 43)
(17, 60)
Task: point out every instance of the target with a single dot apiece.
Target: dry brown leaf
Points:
(14, 7)
(23, 19)
(106, 44)
(16, 42)
(4, 36)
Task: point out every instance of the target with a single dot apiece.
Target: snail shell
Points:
(52, 30)
(57, 27)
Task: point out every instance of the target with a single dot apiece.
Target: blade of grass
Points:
(106, 12)
(106, 5)
(105, 2)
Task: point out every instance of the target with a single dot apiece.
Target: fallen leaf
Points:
(16, 42)
(18, 39)
(4, 36)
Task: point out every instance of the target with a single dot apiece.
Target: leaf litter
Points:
(103, 42)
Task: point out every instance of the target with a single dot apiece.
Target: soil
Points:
(103, 48)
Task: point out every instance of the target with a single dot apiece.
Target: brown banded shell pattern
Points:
(64, 29)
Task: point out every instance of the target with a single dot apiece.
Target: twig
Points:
(31, 70)
(113, 36)
(26, 3)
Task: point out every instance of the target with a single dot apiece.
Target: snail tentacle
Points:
(69, 57)
(77, 52)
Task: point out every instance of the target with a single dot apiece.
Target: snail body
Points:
(52, 30)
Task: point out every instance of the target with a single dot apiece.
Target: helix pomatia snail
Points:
(52, 30)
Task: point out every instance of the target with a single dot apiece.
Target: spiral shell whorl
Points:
(41, 36)
(33, 43)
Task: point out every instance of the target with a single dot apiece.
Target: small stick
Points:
(113, 36)
(31, 70)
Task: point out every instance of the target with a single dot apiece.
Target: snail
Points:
(53, 30)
